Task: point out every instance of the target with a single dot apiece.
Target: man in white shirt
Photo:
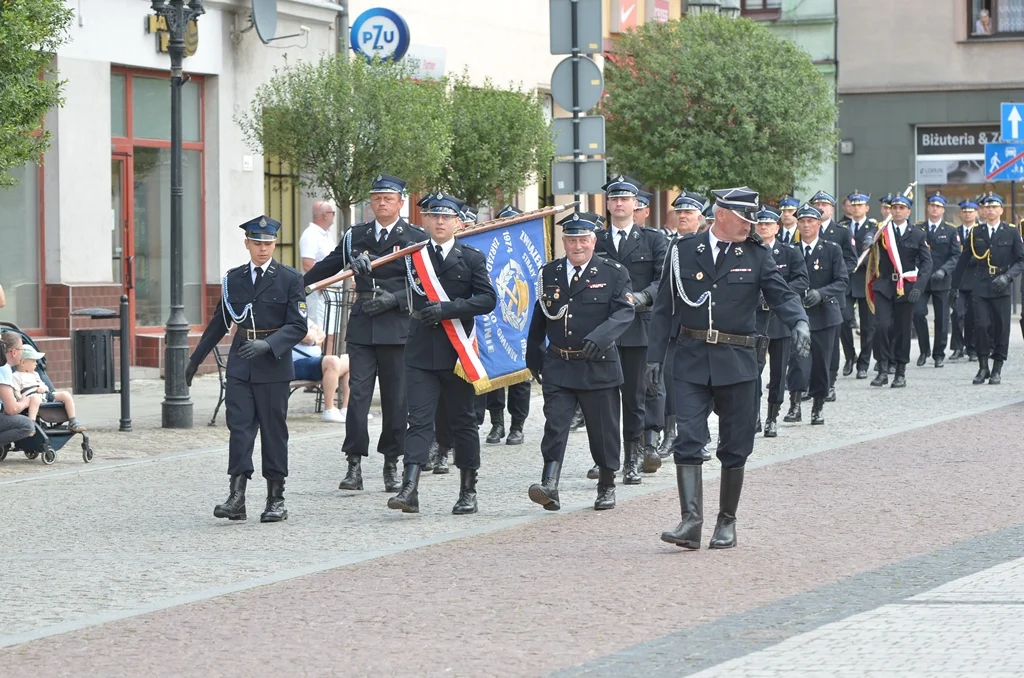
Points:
(330, 370)
(315, 244)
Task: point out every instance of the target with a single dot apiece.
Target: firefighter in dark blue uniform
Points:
(707, 303)
(643, 209)
(993, 258)
(794, 272)
(961, 317)
(266, 300)
(827, 281)
(799, 369)
(885, 206)
(862, 230)
(430, 356)
(944, 242)
(641, 251)
(584, 304)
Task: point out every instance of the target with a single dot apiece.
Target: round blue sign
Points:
(380, 32)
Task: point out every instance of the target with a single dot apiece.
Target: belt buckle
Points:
(712, 337)
(992, 270)
(764, 307)
(895, 277)
(250, 335)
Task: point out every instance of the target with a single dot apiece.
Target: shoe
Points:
(922, 360)
(862, 373)
(794, 413)
(958, 354)
(75, 426)
(758, 428)
(668, 437)
(831, 397)
(882, 378)
(817, 417)
(900, 380)
(275, 511)
(432, 455)
(631, 467)
(234, 507)
(983, 374)
(408, 498)
(344, 414)
(605, 490)
(467, 493)
(441, 462)
(690, 484)
(353, 479)
(728, 501)
(940, 361)
(996, 377)
(804, 396)
(391, 483)
(972, 355)
(848, 367)
(771, 423)
(332, 416)
(515, 434)
(594, 473)
(577, 420)
(545, 493)
(890, 368)
(706, 454)
(651, 459)
(497, 433)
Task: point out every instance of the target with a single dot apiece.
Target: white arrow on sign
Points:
(1014, 119)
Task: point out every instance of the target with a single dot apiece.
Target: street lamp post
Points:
(177, 406)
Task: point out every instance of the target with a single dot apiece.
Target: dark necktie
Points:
(383, 236)
(259, 276)
(854, 227)
(622, 240)
(807, 252)
(576, 274)
(723, 248)
(440, 254)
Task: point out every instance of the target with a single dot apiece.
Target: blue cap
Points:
(858, 198)
(709, 212)
(767, 215)
(743, 201)
(509, 211)
(385, 183)
(621, 187)
(643, 199)
(822, 196)
(808, 211)
(936, 199)
(968, 205)
(598, 219)
(789, 203)
(991, 199)
(261, 229)
(886, 199)
(440, 202)
(688, 200)
(578, 223)
(468, 214)
(900, 199)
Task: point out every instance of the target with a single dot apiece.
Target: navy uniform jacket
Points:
(463, 275)
(390, 327)
(914, 253)
(840, 235)
(945, 246)
(794, 272)
(966, 282)
(862, 240)
(598, 308)
(279, 303)
(749, 271)
(826, 272)
(642, 257)
(1007, 256)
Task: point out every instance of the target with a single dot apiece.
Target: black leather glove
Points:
(361, 264)
(536, 375)
(253, 348)
(641, 300)
(938, 276)
(914, 295)
(812, 298)
(652, 376)
(802, 339)
(591, 350)
(431, 315)
(384, 301)
(1000, 283)
(190, 372)
(953, 294)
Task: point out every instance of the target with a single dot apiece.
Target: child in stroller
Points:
(27, 381)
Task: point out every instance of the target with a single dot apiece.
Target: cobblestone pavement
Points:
(126, 562)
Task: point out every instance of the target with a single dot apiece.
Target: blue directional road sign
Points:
(1011, 117)
(380, 32)
(1004, 162)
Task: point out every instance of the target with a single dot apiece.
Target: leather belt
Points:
(364, 296)
(565, 353)
(252, 334)
(716, 337)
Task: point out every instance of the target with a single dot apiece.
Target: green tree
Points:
(30, 33)
(708, 101)
(342, 121)
(501, 141)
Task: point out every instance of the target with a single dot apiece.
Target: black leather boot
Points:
(605, 490)
(983, 374)
(577, 419)
(432, 455)
(882, 378)
(817, 417)
(467, 492)
(922, 360)
(275, 511)
(546, 492)
(831, 397)
(690, 483)
(771, 422)
(668, 437)
(890, 368)
(958, 354)
(758, 428)
(391, 483)
(900, 380)
(441, 461)
(408, 498)
(805, 396)
(234, 507)
(728, 500)
(794, 408)
(631, 467)
(353, 479)
(515, 433)
(651, 460)
(594, 473)
(497, 433)
(996, 377)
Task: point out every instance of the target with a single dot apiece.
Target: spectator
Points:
(312, 365)
(315, 244)
(27, 382)
(983, 26)
(3, 297)
(14, 425)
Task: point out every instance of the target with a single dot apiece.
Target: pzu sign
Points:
(380, 32)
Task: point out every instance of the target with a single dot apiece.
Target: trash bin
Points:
(92, 355)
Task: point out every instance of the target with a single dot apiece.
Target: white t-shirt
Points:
(316, 243)
(7, 379)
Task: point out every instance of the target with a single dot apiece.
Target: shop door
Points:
(122, 240)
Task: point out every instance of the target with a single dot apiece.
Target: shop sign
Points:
(157, 25)
(956, 140)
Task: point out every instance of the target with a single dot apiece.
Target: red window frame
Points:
(760, 13)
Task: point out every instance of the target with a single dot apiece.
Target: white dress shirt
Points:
(713, 241)
(569, 272)
(446, 248)
(378, 227)
(253, 267)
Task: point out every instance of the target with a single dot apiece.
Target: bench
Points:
(221, 359)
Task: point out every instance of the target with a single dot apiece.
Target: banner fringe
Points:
(486, 385)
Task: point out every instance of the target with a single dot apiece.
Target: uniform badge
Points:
(700, 248)
(398, 230)
(596, 285)
(593, 270)
(555, 295)
(302, 309)
(549, 304)
(817, 266)
(700, 275)
(629, 298)
(739, 251)
(416, 280)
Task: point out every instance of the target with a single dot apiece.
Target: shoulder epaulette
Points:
(469, 247)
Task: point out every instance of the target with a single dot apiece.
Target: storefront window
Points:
(118, 112)
(19, 238)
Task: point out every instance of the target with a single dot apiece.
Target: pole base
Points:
(176, 415)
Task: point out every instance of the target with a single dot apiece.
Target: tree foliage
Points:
(342, 121)
(30, 33)
(708, 102)
(501, 141)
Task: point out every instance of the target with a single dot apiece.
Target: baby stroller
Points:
(52, 433)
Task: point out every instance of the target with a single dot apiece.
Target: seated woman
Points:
(13, 424)
(312, 365)
(27, 382)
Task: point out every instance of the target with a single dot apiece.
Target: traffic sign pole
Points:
(576, 102)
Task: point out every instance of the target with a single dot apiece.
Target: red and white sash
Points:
(465, 344)
(894, 257)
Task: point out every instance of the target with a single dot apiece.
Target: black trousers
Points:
(601, 410)
(940, 304)
(823, 349)
(366, 363)
(892, 330)
(251, 408)
(866, 319)
(732, 403)
(425, 389)
(798, 372)
(992, 326)
(657, 406)
(634, 363)
(442, 430)
(778, 359)
(518, 401)
(961, 324)
(833, 360)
